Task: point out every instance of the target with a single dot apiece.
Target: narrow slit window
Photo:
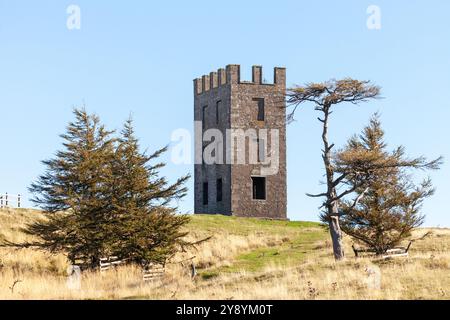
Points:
(204, 116)
(205, 193)
(259, 188)
(260, 106)
(261, 150)
(219, 190)
(204, 145)
(218, 104)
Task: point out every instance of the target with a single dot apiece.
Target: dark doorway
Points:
(259, 188)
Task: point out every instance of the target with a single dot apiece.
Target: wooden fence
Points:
(390, 253)
(109, 263)
(150, 272)
(153, 272)
(10, 200)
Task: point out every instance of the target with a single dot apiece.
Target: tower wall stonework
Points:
(210, 173)
(238, 110)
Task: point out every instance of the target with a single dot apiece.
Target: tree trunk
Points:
(331, 204)
(336, 234)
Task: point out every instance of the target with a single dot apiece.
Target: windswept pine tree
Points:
(388, 204)
(102, 197)
(326, 96)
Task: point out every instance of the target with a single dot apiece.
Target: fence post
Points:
(1, 201)
(18, 201)
(6, 203)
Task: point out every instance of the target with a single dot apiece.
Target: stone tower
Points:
(240, 147)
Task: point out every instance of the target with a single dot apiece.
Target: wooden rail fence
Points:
(153, 272)
(150, 271)
(390, 253)
(109, 263)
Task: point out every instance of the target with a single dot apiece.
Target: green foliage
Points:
(103, 197)
(388, 203)
(74, 192)
(149, 228)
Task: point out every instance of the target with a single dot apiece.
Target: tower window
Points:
(204, 145)
(219, 190)
(204, 117)
(259, 188)
(218, 104)
(205, 193)
(260, 104)
(261, 143)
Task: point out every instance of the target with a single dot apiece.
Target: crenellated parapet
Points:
(232, 75)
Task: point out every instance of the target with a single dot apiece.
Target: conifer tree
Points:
(388, 202)
(149, 228)
(102, 197)
(73, 192)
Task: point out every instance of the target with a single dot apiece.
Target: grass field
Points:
(245, 259)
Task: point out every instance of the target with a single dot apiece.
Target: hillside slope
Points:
(245, 259)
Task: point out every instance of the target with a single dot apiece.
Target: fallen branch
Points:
(14, 285)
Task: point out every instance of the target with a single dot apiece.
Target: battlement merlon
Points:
(232, 75)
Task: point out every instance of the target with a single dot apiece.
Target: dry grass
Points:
(246, 259)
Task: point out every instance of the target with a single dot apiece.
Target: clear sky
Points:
(141, 57)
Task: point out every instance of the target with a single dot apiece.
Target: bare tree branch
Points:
(317, 195)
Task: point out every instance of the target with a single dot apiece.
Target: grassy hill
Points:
(245, 259)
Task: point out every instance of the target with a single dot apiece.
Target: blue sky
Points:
(141, 57)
